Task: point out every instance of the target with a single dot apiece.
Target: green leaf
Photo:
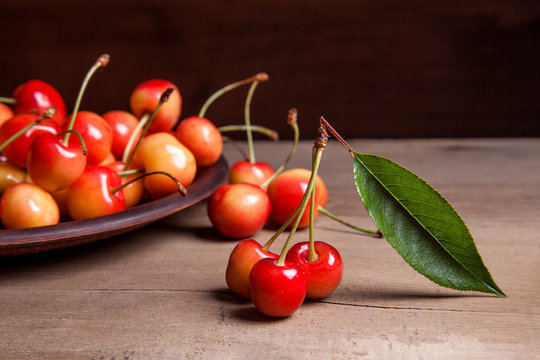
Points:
(421, 225)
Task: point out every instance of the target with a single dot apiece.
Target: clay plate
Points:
(72, 233)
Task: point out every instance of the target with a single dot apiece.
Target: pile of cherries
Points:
(57, 166)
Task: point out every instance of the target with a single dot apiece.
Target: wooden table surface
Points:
(160, 293)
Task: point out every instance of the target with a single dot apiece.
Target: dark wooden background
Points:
(372, 68)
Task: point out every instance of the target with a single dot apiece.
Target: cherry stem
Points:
(133, 137)
(237, 147)
(163, 99)
(8, 100)
(81, 139)
(312, 254)
(130, 172)
(319, 146)
(103, 60)
(49, 113)
(292, 121)
(375, 233)
(181, 188)
(257, 77)
(248, 121)
(336, 135)
(271, 134)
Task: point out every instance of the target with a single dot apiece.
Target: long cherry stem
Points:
(248, 121)
(271, 134)
(375, 233)
(103, 60)
(163, 99)
(292, 121)
(49, 113)
(8, 100)
(181, 188)
(312, 254)
(257, 77)
(140, 125)
(320, 145)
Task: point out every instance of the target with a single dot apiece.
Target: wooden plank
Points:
(160, 292)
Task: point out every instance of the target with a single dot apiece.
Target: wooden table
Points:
(159, 292)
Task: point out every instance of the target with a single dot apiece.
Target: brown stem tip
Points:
(165, 96)
(293, 116)
(261, 77)
(103, 60)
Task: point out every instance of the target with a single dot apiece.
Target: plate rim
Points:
(77, 232)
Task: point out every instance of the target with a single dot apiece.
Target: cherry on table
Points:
(277, 290)
(244, 255)
(323, 273)
(286, 192)
(238, 210)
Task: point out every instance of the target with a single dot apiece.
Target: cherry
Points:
(277, 290)
(163, 152)
(27, 205)
(238, 210)
(146, 96)
(202, 138)
(92, 194)
(54, 166)
(252, 173)
(133, 193)
(18, 133)
(37, 95)
(286, 191)
(5, 113)
(245, 254)
(10, 175)
(323, 271)
(96, 132)
(123, 124)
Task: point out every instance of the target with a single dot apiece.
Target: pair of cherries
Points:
(280, 290)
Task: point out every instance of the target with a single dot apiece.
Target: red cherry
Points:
(244, 255)
(27, 205)
(286, 192)
(97, 135)
(133, 192)
(52, 165)
(38, 95)
(17, 151)
(277, 290)
(91, 194)
(239, 210)
(202, 138)
(323, 274)
(5, 113)
(251, 173)
(122, 124)
(145, 98)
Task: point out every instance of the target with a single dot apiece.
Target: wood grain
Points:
(159, 292)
